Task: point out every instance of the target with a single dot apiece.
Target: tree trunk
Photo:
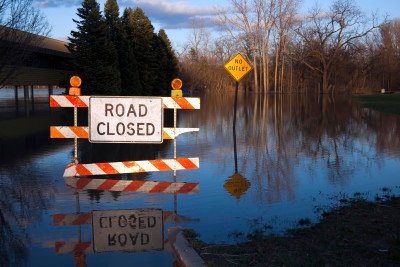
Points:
(256, 87)
(276, 68)
(324, 88)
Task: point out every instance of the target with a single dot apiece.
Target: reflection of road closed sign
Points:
(128, 230)
(237, 185)
(238, 67)
(126, 119)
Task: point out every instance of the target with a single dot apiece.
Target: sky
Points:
(176, 16)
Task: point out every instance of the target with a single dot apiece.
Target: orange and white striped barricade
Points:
(108, 168)
(83, 132)
(59, 101)
(74, 170)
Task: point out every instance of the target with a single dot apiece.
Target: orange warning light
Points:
(74, 91)
(75, 81)
(176, 84)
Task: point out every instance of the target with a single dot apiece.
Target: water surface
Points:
(288, 158)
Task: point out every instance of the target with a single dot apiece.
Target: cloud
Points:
(57, 3)
(169, 14)
(172, 15)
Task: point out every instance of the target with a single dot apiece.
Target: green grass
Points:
(388, 103)
(21, 127)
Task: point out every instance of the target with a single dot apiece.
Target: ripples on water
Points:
(297, 154)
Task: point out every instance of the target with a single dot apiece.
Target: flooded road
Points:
(288, 158)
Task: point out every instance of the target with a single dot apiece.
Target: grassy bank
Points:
(21, 127)
(389, 102)
(360, 233)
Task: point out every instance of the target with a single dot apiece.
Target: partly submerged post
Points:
(238, 67)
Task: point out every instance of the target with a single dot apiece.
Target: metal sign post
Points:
(238, 67)
(74, 90)
(176, 92)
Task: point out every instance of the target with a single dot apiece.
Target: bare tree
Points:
(244, 20)
(390, 54)
(260, 22)
(22, 26)
(324, 35)
(268, 15)
(285, 14)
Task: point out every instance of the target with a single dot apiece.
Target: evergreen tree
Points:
(171, 60)
(140, 34)
(160, 55)
(94, 54)
(128, 69)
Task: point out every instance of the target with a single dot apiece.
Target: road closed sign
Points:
(128, 230)
(126, 119)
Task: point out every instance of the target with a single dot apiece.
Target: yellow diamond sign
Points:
(237, 185)
(238, 67)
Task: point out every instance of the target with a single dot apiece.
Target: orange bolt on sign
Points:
(176, 85)
(75, 82)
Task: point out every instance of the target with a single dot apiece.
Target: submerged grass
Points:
(389, 103)
(21, 127)
(357, 233)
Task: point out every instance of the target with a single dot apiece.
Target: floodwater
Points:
(289, 157)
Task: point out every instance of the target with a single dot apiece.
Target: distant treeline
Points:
(341, 49)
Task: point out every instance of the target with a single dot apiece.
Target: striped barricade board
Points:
(59, 101)
(131, 185)
(74, 170)
(83, 132)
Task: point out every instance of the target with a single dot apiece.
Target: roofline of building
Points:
(47, 43)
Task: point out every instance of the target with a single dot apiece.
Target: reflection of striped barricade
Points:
(73, 247)
(86, 247)
(67, 219)
(131, 185)
(62, 219)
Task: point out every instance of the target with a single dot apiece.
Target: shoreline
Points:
(359, 233)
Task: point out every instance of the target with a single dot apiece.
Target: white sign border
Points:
(128, 142)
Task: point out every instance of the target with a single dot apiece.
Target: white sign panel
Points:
(126, 119)
(128, 230)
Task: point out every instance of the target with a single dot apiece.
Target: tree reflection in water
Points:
(278, 133)
(21, 205)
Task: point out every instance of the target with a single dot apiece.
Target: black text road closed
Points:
(126, 119)
(128, 230)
